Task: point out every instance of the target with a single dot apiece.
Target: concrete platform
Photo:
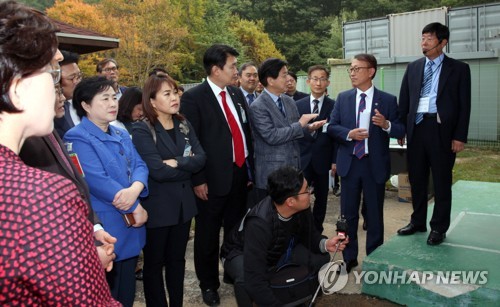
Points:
(462, 271)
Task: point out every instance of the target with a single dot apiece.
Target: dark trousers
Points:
(320, 183)
(121, 281)
(224, 210)
(359, 180)
(300, 255)
(165, 247)
(426, 153)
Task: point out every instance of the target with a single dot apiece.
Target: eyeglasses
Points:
(309, 190)
(355, 69)
(320, 80)
(56, 75)
(74, 77)
(110, 69)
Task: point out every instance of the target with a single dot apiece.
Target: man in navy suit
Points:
(219, 115)
(317, 148)
(362, 121)
(249, 78)
(434, 103)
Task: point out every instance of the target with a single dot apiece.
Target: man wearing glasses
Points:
(70, 77)
(362, 121)
(317, 155)
(109, 69)
(277, 231)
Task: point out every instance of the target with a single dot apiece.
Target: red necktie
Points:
(238, 147)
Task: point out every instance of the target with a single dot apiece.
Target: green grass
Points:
(477, 164)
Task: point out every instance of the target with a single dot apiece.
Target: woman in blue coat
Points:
(116, 176)
(172, 152)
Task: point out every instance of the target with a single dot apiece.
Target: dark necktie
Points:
(58, 148)
(315, 111)
(426, 89)
(280, 106)
(359, 146)
(316, 108)
(250, 98)
(238, 147)
(67, 114)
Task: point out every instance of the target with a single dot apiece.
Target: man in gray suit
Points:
(276, 125)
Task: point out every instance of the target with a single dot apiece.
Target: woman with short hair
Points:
(116, 176)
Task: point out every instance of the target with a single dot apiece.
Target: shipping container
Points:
(366, 36)
(474, 28)
(406, 30)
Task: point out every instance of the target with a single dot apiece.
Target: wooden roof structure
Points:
(83, 41)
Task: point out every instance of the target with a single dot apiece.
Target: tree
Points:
(256, 44)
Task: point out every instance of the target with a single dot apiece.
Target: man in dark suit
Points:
(362, 121)
(108, 68)
(317, 148)
(249, 78)
(291, 87)
(219, 116)
(277, 125)
(70, 77)
(434, 103)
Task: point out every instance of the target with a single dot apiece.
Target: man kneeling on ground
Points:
(276, 231)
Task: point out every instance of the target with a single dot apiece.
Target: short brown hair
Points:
(28, 43)
(100, 66)
(151, 88)
(318, 67)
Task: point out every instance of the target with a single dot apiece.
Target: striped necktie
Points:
(359, 146)
(426, 89)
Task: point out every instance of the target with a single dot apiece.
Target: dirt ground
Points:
(396, 215)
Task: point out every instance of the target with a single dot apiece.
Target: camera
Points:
(342, 227)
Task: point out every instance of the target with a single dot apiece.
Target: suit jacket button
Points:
(183, 185)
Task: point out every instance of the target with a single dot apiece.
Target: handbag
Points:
(293, 284)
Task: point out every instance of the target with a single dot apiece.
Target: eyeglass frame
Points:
(356, 69)
(320, 80)
(74, 77)
(56, 75)
(309, 190)
(110, 69)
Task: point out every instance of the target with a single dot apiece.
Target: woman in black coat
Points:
(167, 143)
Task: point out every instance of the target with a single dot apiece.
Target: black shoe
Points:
(435, 238)
(364, 225)
(411, 229)
(210, 297)
(227, 279)
(336, 191)
(351, 264)
(139, 274)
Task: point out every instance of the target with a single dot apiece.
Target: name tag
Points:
(187, 151)
(243, 114)
(423, 105)
(325, 127)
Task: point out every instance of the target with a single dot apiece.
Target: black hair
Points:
(69, 58)
(245, 66)
(441, 31)
(157, 70)
(270, 68)
(283, 183)
(217, 55)
(368, 58)
(87, 89)
(293, 75)
(127, 102)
